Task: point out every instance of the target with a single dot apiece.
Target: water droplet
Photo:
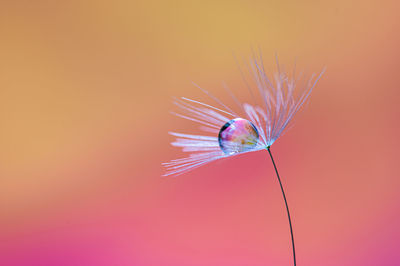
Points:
(238, 135)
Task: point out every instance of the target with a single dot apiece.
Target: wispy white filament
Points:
(279, 105)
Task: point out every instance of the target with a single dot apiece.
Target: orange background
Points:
(85, 95)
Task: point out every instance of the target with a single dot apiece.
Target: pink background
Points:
(85, 95)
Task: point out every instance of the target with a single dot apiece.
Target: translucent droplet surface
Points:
(238, 135)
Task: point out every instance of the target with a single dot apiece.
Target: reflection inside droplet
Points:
(238, 135)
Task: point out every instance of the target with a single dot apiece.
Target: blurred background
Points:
(85, 94)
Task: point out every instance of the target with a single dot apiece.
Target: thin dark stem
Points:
(287, 207)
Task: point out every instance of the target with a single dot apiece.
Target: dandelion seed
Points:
(253, 127)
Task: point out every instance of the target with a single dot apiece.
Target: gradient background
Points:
(85, 95)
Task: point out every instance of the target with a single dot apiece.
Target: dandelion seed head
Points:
(238, 135)
(250, 127)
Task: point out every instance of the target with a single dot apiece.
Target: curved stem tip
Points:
(287, 207)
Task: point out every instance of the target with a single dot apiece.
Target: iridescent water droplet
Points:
(238, 135)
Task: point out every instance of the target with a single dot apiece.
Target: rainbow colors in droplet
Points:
(238, 135)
